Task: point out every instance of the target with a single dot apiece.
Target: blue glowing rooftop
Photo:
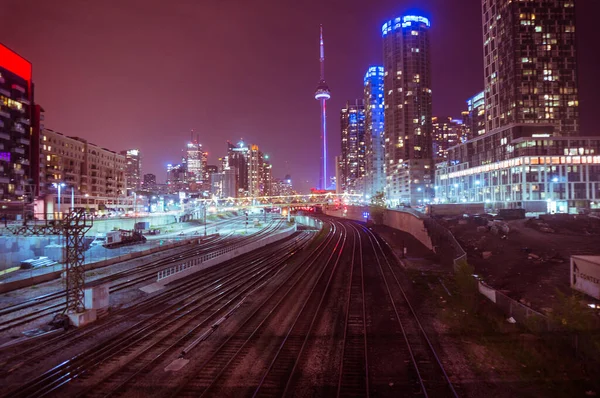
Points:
(374, 71)
(403, 22)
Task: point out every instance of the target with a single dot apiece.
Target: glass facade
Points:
(408, 110)
(374, 124)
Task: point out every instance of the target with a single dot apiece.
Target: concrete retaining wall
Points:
(309, 221)
(103, 226)
(403, 221)
(199, 263)
(410, 223)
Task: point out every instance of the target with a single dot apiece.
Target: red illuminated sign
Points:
(15, 63)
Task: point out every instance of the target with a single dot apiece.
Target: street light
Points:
(58, 185)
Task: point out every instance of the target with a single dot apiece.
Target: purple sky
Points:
(142, 73)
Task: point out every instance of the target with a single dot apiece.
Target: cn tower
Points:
(322, 95)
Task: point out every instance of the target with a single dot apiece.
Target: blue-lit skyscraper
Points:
(322, 94)
(374, 116)
(408, 130)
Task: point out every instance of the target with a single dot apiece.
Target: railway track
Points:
(135, 275)
(20, 351)
(180, 313)
(380, 347)
(427, 368)
(211, 374)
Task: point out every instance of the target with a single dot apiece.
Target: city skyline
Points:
(78, 87)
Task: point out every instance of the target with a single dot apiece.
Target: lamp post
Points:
(72, 198)
(456, 192)
(59, 185)
(419, 190)
(205, 218)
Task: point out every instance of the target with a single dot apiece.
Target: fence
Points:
(242, 247)
(446, 245)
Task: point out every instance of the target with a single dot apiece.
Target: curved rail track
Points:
(185, 302)
(342, 302)
(135, 275)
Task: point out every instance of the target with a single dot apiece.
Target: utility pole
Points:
(76, 224)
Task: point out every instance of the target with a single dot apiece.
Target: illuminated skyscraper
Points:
(407, 131)
(322, 94)
(255, 170)
(374, 113)
(133, 170)
(353, 145)
(196, 159)
(530, 67)
(476, 115)
(447, 132)
(16, 97)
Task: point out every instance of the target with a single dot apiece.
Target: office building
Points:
(374, 124)
(196, 162)
(530, 65)
(529, 156)
(237, 160)
(149, 182)
(267, 177)
(16, 99)
(475, 117)
(255, 170)
(352, 121)
(177, 179)
(133, 170)
(283, 186)
(407, 110)
(447, 132)
(539, 174)
(90, 177)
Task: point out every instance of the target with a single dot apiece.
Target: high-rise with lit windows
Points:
(352, 120)
(133, 170)
(531, 154)
(374, 122)
(408, 130)
(530, 65)
(16, 97)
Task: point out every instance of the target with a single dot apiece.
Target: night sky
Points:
(143, 73)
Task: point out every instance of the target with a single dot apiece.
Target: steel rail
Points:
(149, 269)
(208, 274)
(374, 241)
(68, 369)
(353, 345)
(239, 297)
(235, 347)
(297, 324)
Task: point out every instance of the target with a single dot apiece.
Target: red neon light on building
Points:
(13, 62)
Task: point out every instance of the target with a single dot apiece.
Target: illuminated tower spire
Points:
(322, 95)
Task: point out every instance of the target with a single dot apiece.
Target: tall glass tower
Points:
(374, 116)
(408, 129)
(530, 66)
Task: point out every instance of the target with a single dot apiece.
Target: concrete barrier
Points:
(411, 223)
(406, 221)
(21, 283)
(309, 221)
(209, 260)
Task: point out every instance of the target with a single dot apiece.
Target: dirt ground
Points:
(532, 261)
